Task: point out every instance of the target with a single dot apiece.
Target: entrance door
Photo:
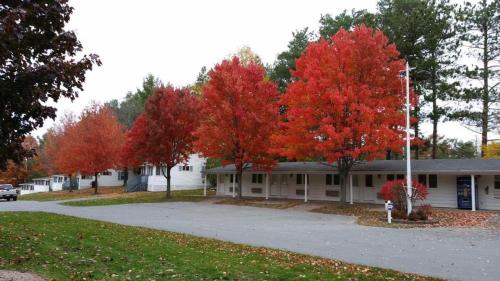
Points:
(464, 193)
(275, 185)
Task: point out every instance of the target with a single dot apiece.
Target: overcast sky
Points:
(174, 39)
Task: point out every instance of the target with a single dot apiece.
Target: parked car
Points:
(7, 191)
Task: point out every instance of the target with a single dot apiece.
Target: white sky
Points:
(174, 39)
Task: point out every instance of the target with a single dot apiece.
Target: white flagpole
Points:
(408, 152)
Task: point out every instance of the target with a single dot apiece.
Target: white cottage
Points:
(453, 183)
(109, 177)
(46, 184)
(27, 188)
(184, 176)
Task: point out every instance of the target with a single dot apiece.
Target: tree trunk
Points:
(434, 135)
(435, 113)
(239, 176)
(486, 96)
(168, 177)
(416, 127)
(96, 183)
(344, 168)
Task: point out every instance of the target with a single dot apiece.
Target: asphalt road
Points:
(452, 254)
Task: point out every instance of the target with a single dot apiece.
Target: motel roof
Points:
(457, 166)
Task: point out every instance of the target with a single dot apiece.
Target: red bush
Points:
(396, 192)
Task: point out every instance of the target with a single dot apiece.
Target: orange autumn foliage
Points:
(91, 145)
(240, 113)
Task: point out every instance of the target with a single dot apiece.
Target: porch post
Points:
(267, 186)
(305, 188)
(205, 186)
(350, 190)
(234, 181)
(473, 191)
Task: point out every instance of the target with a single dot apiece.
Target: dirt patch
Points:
(262, 203)
(8, 275)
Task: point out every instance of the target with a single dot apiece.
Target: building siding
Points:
(444, 195)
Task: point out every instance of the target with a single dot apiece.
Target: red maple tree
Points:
(240, 113)
(346, 103)
(163, 134)
(92, 144)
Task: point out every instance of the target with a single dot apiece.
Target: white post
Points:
(205, 186)
(267, 186)
(473, 191)
(351, 200)
(305, 188)
(234, 181)
(408, 152)
(217, 183)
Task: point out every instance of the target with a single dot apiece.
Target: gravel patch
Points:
(8, 275)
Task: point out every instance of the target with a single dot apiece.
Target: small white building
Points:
(453, 183)
(109, 177)
(27, 188)
(183, 177)
(46, 184)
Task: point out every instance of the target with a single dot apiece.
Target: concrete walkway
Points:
(446, 253)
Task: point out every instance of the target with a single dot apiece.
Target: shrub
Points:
(397, 214)
(396, 192)
(421, 215)
(413, 216)
(425, 211)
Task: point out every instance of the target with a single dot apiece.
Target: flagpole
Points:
(408, 152)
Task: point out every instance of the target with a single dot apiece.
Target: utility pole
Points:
(408, 151)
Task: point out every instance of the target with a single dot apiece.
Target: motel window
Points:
(497, 182)
(231, 178)
(329, 179)
(433, 181)
(336, 180)
(300, 178)
(369, 180)
(422, 179)
(332, 179)
(121, 175)
(186, 168)
(106, 173)
(158, 170)
(256, 178)
(390, 177)
(400, 177)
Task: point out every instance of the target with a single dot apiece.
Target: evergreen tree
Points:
(280, 71)
(480, 24)
(330, 25)
(425, 35)
(133, 104)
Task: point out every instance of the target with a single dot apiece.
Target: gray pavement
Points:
(453, 254)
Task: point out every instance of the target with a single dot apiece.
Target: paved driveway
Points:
(451, 254)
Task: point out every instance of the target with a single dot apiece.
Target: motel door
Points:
(464, 193)
(275, 185)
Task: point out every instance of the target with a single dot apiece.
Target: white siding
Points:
(445, 195)
(102, 180)
(192, 179)
(489, 198)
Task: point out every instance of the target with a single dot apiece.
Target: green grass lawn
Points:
(65, 194)
(195, 195)
(67, 248)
